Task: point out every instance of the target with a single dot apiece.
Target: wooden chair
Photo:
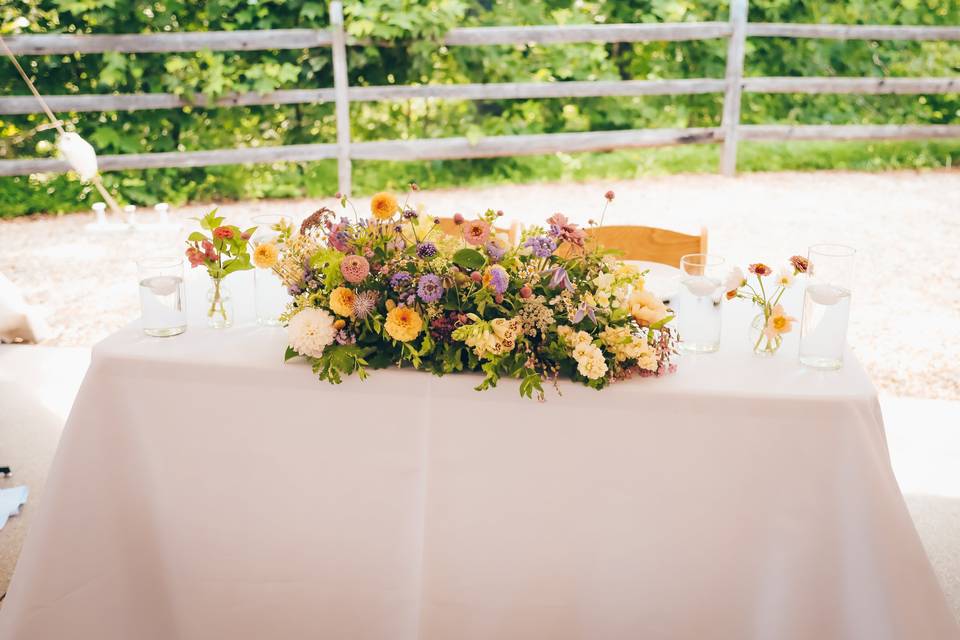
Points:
(448, 226)
(649, 243)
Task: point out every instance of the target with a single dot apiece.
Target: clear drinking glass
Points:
(698, 304)
(162, 311)
(826, 306)
(270, 296)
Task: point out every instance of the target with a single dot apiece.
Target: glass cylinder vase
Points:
(826, 306)
(698, 302)
(269, 293)
(162, 310)
(219, 305)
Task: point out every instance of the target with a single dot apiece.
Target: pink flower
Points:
(354, 269)
(565, 231)
(209, 250)
(609, 196)
(476, 232)
(224, 233)
(800, 264)
(195, 256)
(458, 218)
(760, 269)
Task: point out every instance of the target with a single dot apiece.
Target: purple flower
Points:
(542, 246)
(340, 235)
(345, 337)
(429, 288)
(559, 279)
(400, 280)
(426, 250)
(584, 310)
(496, 278)
(495, 251)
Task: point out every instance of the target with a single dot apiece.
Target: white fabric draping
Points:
(204, 489)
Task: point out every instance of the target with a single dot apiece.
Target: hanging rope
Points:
(57, 123)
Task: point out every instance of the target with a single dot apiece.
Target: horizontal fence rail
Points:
(733, 85)
(51, 44)
(851, 32)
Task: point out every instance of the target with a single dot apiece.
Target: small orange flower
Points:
(760, 269)
(383, 206)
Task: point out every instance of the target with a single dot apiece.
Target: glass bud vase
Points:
(762, 344)
(219, 305)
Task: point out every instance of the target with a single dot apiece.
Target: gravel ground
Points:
(905, 225)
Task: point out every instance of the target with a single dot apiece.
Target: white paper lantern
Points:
(79, 154)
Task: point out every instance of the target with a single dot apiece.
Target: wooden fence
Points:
(730, 132)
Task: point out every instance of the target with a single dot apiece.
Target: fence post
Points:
(734, 78)
(340, 82)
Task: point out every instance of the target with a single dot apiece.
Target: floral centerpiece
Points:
(222, 250)
(394, 289)
(772, 322)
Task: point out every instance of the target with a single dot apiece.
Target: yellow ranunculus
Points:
(403, 324)
(265, 255)
(341, 301)
(383, 206)
(646, 308)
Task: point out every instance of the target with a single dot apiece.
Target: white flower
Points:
(735, 279)
(604, 281)
(310, 331)
(647, 360)
(593, 367)
(785, 277)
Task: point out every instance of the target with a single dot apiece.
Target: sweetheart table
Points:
(204, 489)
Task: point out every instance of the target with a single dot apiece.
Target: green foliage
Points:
(405, 49)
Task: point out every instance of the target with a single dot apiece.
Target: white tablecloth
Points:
(203, 489)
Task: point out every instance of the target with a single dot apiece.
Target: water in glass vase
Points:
(698, 314)
(161, 303)
(826, 312)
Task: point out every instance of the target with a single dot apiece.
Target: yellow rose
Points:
(403, 324)
(265, 255)
(383, 206)
(646, 308)
(341, 301)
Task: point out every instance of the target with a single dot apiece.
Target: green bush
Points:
(412, 29)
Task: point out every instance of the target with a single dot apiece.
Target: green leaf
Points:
(468, 259)
(290, 354)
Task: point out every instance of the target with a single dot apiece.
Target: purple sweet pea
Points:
(430, 288)
(584, 310)
(559, 279)
(495, 251)
(542, 246)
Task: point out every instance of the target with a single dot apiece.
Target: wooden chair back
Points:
(448, 226)
(649, 243)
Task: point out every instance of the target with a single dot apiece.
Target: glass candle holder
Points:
(826, 306)
(269, 293)
(162, 311)
(699, 302)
